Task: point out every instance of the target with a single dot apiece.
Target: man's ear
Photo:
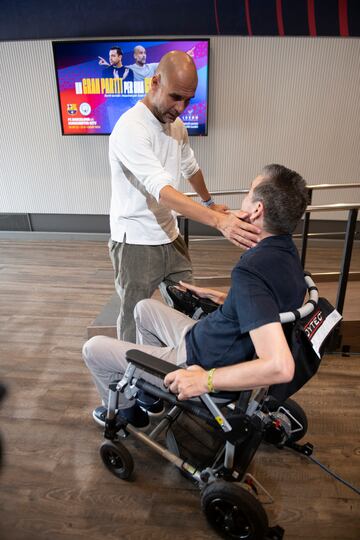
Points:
(258, 212)
(155, 82)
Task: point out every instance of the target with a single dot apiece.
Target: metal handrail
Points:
(330, 207)
(352, 209)
(334, 186)
(310, 187)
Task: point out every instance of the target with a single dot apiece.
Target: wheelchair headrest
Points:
(306, 309)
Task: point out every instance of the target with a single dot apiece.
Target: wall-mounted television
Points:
(98, 81)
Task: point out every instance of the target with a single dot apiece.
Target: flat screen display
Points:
(99, 80)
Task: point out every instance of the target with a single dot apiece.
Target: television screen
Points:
(99, 80)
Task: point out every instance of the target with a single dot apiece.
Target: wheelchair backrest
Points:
(307, 331)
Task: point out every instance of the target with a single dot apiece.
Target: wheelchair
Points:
(238, 422)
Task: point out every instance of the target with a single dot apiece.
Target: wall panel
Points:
(290, 100)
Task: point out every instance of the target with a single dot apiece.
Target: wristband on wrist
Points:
(210, 383)
(209, 202)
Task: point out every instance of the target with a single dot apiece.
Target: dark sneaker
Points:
(152, 405)
(134, 415)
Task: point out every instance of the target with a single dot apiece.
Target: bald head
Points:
(140, 55)
(172, 87)
(178, 65)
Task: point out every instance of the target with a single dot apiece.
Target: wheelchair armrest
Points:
(160, 368)
(149, 363)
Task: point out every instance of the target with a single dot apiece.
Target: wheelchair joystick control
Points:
(189, 303)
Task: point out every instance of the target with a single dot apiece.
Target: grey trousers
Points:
(139, 270)
(160, 331)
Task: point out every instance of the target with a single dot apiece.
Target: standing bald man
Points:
(149, 153)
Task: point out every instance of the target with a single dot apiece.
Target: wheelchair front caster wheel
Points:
(117, 459)
(234, 512)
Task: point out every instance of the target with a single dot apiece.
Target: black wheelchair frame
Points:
(242, 421)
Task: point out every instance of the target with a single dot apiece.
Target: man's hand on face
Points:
(187, 383)
(235, 227)
(219, 208)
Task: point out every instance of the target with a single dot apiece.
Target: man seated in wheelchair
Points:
(240, 345)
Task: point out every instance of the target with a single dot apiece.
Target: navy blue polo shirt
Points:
(267, 280)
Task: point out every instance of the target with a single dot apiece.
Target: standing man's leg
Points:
(178, 262)
(138, 270)
(177, 266)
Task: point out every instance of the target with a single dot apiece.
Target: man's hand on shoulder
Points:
(235, 227)
(187, 383)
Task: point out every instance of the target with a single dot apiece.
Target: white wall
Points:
(294, 101)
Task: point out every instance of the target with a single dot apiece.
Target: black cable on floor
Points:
(331, 473)
(334, 475)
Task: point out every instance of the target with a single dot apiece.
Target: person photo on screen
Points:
(141, 69)
(114, 68)
(149, 153)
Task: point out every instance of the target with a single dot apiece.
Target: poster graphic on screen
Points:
(99, 80)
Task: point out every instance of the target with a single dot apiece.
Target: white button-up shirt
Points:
(146, 155)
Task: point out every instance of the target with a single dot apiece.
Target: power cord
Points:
(334, 475)
(306, 450)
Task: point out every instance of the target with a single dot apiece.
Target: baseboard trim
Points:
(40, 235)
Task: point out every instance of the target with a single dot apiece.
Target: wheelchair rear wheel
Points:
(234, 512)
(117, 459)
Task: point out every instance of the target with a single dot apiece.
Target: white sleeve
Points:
(189, 165)
(131, 145)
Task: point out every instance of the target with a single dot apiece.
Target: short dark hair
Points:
(118, 50)
(284, 195)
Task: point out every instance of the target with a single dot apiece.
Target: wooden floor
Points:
(53, 485)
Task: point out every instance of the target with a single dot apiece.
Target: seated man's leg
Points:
(106, 359)
(160, 325)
